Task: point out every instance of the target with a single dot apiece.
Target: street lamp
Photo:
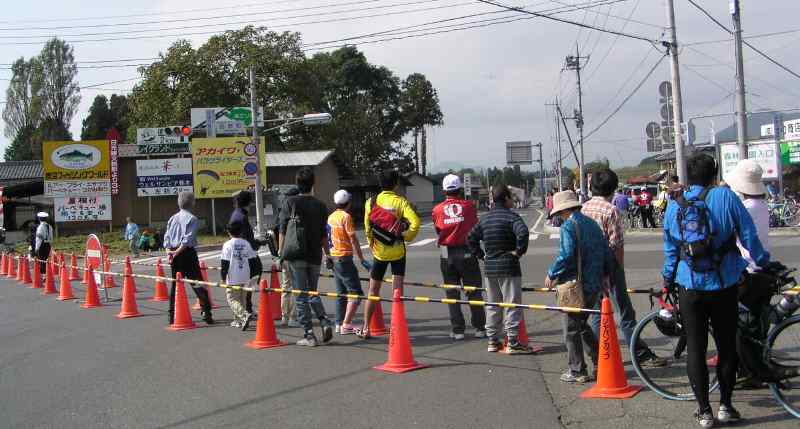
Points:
(309, 119)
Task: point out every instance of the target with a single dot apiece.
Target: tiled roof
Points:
(298, 158)
(20, 171)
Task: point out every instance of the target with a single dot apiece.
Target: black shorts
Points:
(379, 268)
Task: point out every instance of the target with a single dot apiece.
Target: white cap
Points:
(451, 182)
(42, 214)
(341, 197)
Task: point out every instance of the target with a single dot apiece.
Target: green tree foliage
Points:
(513, 176)
(104, 115)
(420, 109)
(22, 109)
(59, 91)
(20, 148)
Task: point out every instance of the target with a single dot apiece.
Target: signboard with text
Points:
(225, 120)
(766, 154)
(74, 168)
(114, 140)
(158, 136)
(222, 166)
(158, 177)
(156, 149)
(82, 208)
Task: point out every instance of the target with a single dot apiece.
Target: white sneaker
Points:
(236, 324)
(480, 333)
(294, 323)
(337, 329)
(456, 337)
(307, 342)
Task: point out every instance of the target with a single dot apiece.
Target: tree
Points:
(104, 115)
(59, 92)
(420, 107)
(22, 111)
(20, 148)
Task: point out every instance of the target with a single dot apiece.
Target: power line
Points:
(566, 21)
(754, 36)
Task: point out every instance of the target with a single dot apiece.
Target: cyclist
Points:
(708, 273)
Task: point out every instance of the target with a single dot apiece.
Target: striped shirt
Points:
(609, 219)
(502, 232)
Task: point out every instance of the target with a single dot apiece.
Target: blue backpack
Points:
(694, 224)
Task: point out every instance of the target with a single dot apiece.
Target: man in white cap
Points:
(645, 203)
(343, 242)
(453, 219)
(44, 238)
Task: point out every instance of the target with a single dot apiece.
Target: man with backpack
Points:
(389, 222)
(701, 258)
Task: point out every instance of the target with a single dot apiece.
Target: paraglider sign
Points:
(94, 257)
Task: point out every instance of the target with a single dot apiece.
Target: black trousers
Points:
(461, 268)
(647, 217)
(720, 309)
(43, 254)
(187, 264)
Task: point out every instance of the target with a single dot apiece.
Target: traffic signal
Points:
(186, 131)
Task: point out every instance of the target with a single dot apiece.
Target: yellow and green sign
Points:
(222, 166)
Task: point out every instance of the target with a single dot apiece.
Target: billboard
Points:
(224, 120)
(74, 168)
(158, 177)
(519, 153)
(222, 166)
(82, 208)
(161, 135)
(766, 154)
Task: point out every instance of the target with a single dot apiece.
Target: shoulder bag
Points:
(294, 239)
(570, 293)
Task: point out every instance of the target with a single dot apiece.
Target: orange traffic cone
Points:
(161, 294)
(401, 357)
(12, 271)
(204, 277)
(74, 275)
(92, 297)
(65, 288)
(377, 327)
(611, 380)
(26, 271)
(109, 278)
(85, 271)
(523, 339)
(20, 266)
(274, 298)
(265, 327)
(129, 306)
(37, 276)
(49, 282)
(129, 275)
(183, 316)
(4, 265)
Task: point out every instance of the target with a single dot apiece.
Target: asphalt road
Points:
(66, 367)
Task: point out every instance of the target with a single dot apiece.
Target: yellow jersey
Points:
(402, 208)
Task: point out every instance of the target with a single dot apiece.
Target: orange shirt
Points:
(340, 230)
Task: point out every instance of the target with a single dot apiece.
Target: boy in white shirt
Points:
(238, 261)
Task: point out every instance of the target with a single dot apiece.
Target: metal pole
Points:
(558, 142)
(541, 175)
(584, 192)
(213, 218)
(257, 142)
(741, 105)
(677, 102)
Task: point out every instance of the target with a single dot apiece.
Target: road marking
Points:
(533, 237)
(536, 224)
(210, 255)
(427, 225)
(555, 236)
(365, 246)
(150, 259)
(422, 242)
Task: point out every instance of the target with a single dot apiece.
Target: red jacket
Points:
(453, 220)
(644, 199)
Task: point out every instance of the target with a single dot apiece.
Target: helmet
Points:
(667, 323)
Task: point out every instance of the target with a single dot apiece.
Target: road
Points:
(63, 366)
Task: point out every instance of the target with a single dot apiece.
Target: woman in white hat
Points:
(746, 182)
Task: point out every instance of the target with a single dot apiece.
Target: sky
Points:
(494, 82)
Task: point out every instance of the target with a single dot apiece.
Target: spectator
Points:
(389, 222)
(239, 269)
(180, 240)
(132, 236)
(312, 214)
(505, 240)
(610, 220)
(43, 241)
(343, 243)
(621, 202)
(708, 285)
(645, 203)
(453, 219)
(288, 313)
(772, 190)
(674, 188)
(581, 238)
(241, 201)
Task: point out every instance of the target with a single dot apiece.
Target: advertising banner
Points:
(156, 149)
(114, 140)
(79, 209)
(162, 135)
(85, 160)
(765, 154)
(225, 120)
(157, 177)
(66, 188)
(790, 152)
(222, 166)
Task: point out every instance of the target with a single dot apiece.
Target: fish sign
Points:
(81, 164)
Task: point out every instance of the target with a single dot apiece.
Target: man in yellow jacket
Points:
(389, 222)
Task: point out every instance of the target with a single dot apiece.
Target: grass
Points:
(113, 240)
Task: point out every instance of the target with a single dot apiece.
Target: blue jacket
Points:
(727, 217)
(595, 254)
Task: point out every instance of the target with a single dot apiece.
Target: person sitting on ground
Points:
(343, 242)
(239, 269)
(581, 239)
(132, 236)
(505, 240)
(610, 220)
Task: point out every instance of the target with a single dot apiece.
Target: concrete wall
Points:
(420, 194)
(326, 175)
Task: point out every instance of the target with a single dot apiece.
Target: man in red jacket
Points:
(453, 220)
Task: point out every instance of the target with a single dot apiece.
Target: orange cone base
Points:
(128, 315)
(66, 298)
(87, 305)
(612, 393)
(265, 344)
(400, 369)
(182, 327)
(159, 299)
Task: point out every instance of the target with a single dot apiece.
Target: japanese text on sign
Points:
(154, 149)
(79, 209)
(222, 166)
(79, 187)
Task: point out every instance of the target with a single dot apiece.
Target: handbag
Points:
(294, 239)
(570, 293)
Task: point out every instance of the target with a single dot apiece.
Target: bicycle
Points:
(784, 213)
(778, 365)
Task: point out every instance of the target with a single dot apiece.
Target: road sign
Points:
(94, 256)
(225, 120)
(665, 89)
(161, 135)
(666, 113)
(653, 130)
(467, 184)
(519, 153)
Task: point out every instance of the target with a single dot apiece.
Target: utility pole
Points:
(541, 173)
(741, 105)
(556, 117)
(677, 102)
(257, 141)
(574, 63)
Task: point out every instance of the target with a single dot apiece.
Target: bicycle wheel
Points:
(791, 215)
(672, 381)
(783, 350)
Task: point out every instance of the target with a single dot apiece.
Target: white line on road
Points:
(422, 242)
(555, 236)
(536, 224)
(365, 246)
(210, 255)
(533, 237)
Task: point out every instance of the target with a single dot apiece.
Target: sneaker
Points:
(575, 378)
(207, 318)
(236, 324)
(253, 316)
(347, 330)
(246, 321)
(728, 414)
(293, 323)
(456, 337)
(480, 333)
(327, 332)
(337, 329)
(516, 348)
(704, 419)
(494, 346)
(651, 360)
(309, 341)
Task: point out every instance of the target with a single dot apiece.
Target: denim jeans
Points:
(345, 275)
(305, 277)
